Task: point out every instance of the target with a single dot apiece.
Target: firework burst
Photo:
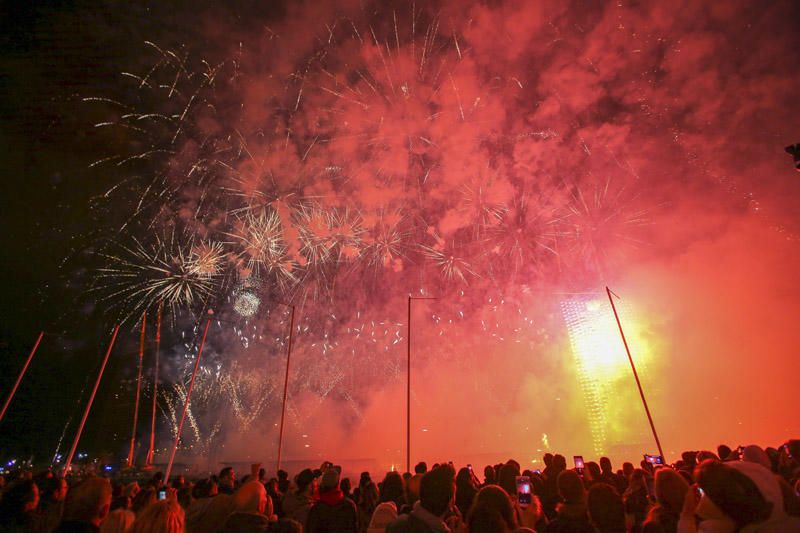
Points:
(600, 219)
(386, 244)
(262, 243)
(526, 235)
(169, 272)
(449, 261)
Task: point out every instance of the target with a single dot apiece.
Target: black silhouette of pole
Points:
(408, 382)
(285, 386)
(635, 374)
(21, 375)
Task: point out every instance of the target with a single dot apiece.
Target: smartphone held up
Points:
(524, 494)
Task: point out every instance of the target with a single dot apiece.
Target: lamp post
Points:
(285, 385)
(408, 381)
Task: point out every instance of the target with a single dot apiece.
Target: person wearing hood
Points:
(333, 513)
(735, 497)
(385, 513)
(252, 509)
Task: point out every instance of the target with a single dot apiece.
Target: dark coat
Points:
(332, 514)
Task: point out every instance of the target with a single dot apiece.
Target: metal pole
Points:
(21, 374)
(151, 451)
(408, 382)
(186, 404)
(408, 389)
(285, 388)
(635, 374)
(138, 390)
(91, 401)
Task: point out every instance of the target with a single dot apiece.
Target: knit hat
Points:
(330, 479)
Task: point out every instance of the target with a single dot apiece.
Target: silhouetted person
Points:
(333, 513)
(436, 495)
(86, 506)
(636, 500)
(227, 480)
(605, 508)
(572, 516)
(465, 491)
(296, 504)
(18, 506)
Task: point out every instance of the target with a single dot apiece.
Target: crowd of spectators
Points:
(748, 489)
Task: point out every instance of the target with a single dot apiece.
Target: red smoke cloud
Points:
(520, 152)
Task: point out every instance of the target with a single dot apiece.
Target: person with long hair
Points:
(118, 521)
(165, 516)
(465, 490)
(367, 504)
(670, 489)
(493, 509)
(393, 489)
(637, 501)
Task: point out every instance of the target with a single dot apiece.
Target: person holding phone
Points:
(495, 510)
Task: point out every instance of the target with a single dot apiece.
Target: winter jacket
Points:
(333, 513)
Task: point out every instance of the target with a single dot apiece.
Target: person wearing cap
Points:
(333, 512)
(298, 503)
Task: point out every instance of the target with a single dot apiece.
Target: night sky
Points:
(524, 153)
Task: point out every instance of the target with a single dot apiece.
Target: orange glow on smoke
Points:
(602, 365)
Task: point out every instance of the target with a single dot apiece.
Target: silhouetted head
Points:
(605, 508)
(89, 501)
(508, 477)
(491, 502)
(488, 474)
(437, 490)
(627, 469)
(670, 488)
(570, 487)
(723, 451)
(304, 480)
(393, 488)
(593, 471)
(19, 499)
(165, 516)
